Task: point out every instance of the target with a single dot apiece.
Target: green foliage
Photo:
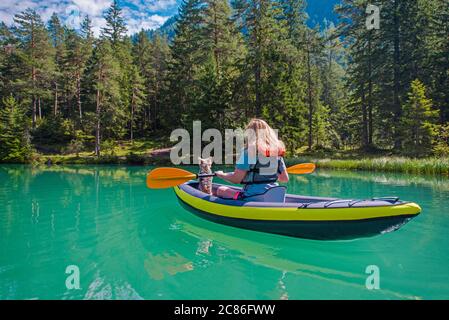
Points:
(418, 120)
(35, 69)
(108, 147)
(75, 146)
(14, 137)
(115, 25)
(53, 130)
(441, 140)
(438, 166)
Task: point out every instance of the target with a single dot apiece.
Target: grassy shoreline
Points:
(146, 153)
(431, 166)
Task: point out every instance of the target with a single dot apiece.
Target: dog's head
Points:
(205, 164)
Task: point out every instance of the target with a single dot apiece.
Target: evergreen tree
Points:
(14, 136)
(264, 30)
(36, 60)
(152, 59)
(418, 119)
(291, 111)
(365, 53)
(334, 95)
(137, 98)
(438, 58)
(81, 50)
(187, 52)
(313, 50)
(103, 74)
(8, 43)
(115, 29)
(223, 47)
(57, 38)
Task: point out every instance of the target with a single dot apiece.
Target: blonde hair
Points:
(261, 137)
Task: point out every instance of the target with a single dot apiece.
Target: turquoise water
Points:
(133, 243)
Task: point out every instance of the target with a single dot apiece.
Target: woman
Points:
(260, 164)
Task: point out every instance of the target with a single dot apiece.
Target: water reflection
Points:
(132, 243)
(262, 250)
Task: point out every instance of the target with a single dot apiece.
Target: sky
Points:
(138, 14)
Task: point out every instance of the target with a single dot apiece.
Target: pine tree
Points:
(187, 52)
(265, 32)
(115, 29)
(14, 136)
(418, 119)
(152, 59)
(81, 50)
(361, 44)
(223, 47)
(438, 58)
(137, 88)
(401, 60)
(103, 75)
(313, 49)
(36, 60)
(289, 112)
(333, 93)
(57, 37)
(7, 57)
(132, 86)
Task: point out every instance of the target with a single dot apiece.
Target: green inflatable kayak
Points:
(301, 216)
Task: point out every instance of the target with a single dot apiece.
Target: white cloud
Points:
(150, 22)
(141, 14)
(92, 7)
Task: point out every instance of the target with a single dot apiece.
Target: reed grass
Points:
(433, 166)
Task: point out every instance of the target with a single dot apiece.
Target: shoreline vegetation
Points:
(150, 153)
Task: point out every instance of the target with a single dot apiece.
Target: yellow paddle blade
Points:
(302, 168)
(160, 178)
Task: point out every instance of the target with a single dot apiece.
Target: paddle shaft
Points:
(160, 178)
(206, 175)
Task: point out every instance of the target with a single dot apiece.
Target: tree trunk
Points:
(33, 75)
(365, 129)
(216, 53)
(34, 111)
(98, 125)
(55, 110)
(40, 109)
(257, 76)
(370, 94)
(78, 96)
(397, 76)
(132, 117)
(310, 102)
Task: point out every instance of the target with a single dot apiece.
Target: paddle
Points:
(161, 178)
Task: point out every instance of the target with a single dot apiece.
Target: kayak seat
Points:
(274, 194)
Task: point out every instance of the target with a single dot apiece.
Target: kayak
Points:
(301, 216)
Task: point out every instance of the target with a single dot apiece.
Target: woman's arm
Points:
(234, 177)
(283, 177)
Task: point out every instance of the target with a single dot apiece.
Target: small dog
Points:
(205, 184)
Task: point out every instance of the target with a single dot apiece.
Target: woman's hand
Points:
(220, 174)
(232, 177)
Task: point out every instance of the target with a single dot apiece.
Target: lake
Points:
(129, 242)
